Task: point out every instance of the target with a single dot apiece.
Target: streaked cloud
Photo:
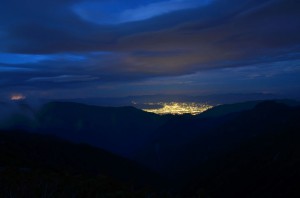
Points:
(133, 45)
(4, 68)
(116, 12)
(63, 78)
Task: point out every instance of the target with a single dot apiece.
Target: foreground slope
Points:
(239, 150)
(254, 153)
(32, 161)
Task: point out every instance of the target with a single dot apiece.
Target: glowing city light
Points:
(16, 97)
(179, 108)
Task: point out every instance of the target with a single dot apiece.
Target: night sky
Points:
(114, 48)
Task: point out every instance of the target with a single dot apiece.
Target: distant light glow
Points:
(17, 97)
(179, 108)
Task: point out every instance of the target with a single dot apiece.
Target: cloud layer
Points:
(88, 44)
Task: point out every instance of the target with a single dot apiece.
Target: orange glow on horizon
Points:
(16, 97)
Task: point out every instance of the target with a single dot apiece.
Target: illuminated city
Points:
(179, 108)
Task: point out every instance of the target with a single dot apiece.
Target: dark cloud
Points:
(165, 43)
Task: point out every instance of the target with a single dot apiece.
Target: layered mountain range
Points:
(245, 149)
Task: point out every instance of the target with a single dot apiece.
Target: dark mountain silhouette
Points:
(26, 155)
(265, 157)
(225, 109)
(123, 130)
(253, 153)
(17, 115)
(119, 129)
(239, 150)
